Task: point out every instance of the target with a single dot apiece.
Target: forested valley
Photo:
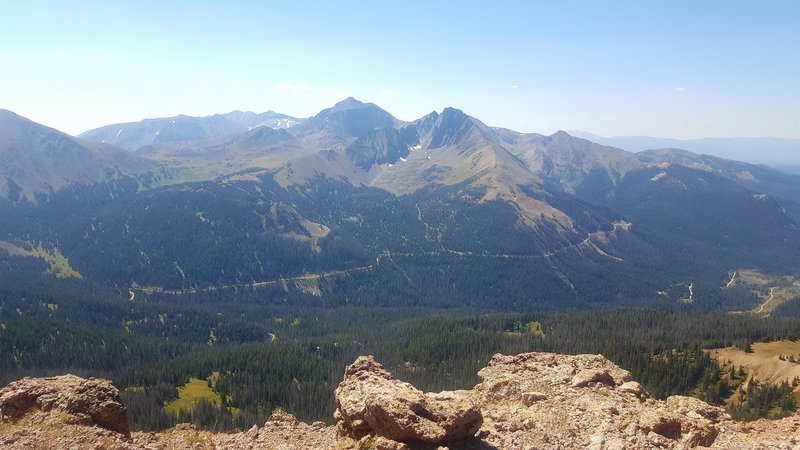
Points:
(252, 296)
(260, 352)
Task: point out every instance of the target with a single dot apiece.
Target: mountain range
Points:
(443, 209)
(134, 135)
(775, 152)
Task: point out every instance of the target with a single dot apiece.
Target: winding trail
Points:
(771, 296)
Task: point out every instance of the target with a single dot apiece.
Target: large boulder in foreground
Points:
(91, 402)
(370, 402)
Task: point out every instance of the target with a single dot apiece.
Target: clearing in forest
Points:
(771, 362)
(772, 291)
(193, 392)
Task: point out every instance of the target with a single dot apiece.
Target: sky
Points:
(680, 69)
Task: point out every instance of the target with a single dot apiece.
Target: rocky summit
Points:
(527, 401)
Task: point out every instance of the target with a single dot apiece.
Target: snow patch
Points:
(658, 176)
(403, 159)
(118, 133)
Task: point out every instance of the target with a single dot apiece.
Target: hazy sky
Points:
(662, 68)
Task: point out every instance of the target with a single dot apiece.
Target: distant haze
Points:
(781, 153)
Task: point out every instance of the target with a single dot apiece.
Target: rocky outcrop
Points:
(532, 400)
(371, 403)
(89, 402)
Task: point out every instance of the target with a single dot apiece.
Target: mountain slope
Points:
(335, 127)
(260, 148)
(756, 178)
(134, 135)
(270, 119)
(456, 149)
(701, 214)
(571, 164)
(38, 160)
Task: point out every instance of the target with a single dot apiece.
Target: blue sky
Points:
(670, 69)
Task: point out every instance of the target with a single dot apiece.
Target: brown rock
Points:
(370, 401)
(587, 376)
(662, 425)
(633, 387)
(91, 402)
(695, 409)
(526, 401)
(529, 398)
(703, 435)
(186, 427)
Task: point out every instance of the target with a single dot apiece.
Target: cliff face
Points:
(531, 400)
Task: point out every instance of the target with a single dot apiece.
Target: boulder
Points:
(588, 376)
(91, 401)
(371, 402)
(695, 408)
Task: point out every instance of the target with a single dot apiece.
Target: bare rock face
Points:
(90, 402)
(370, 402)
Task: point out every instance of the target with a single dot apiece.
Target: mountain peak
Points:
(452, 112)
(451, 126)
(347, 120)
(348, 103)
(560, 134)
(6, 113)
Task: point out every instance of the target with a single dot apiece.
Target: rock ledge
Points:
(531, 400)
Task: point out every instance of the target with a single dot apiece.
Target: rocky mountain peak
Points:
(450, 128)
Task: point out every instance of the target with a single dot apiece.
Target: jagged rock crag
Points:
(527, 401)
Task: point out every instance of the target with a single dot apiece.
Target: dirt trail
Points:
(730, 283)
(763, 305)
